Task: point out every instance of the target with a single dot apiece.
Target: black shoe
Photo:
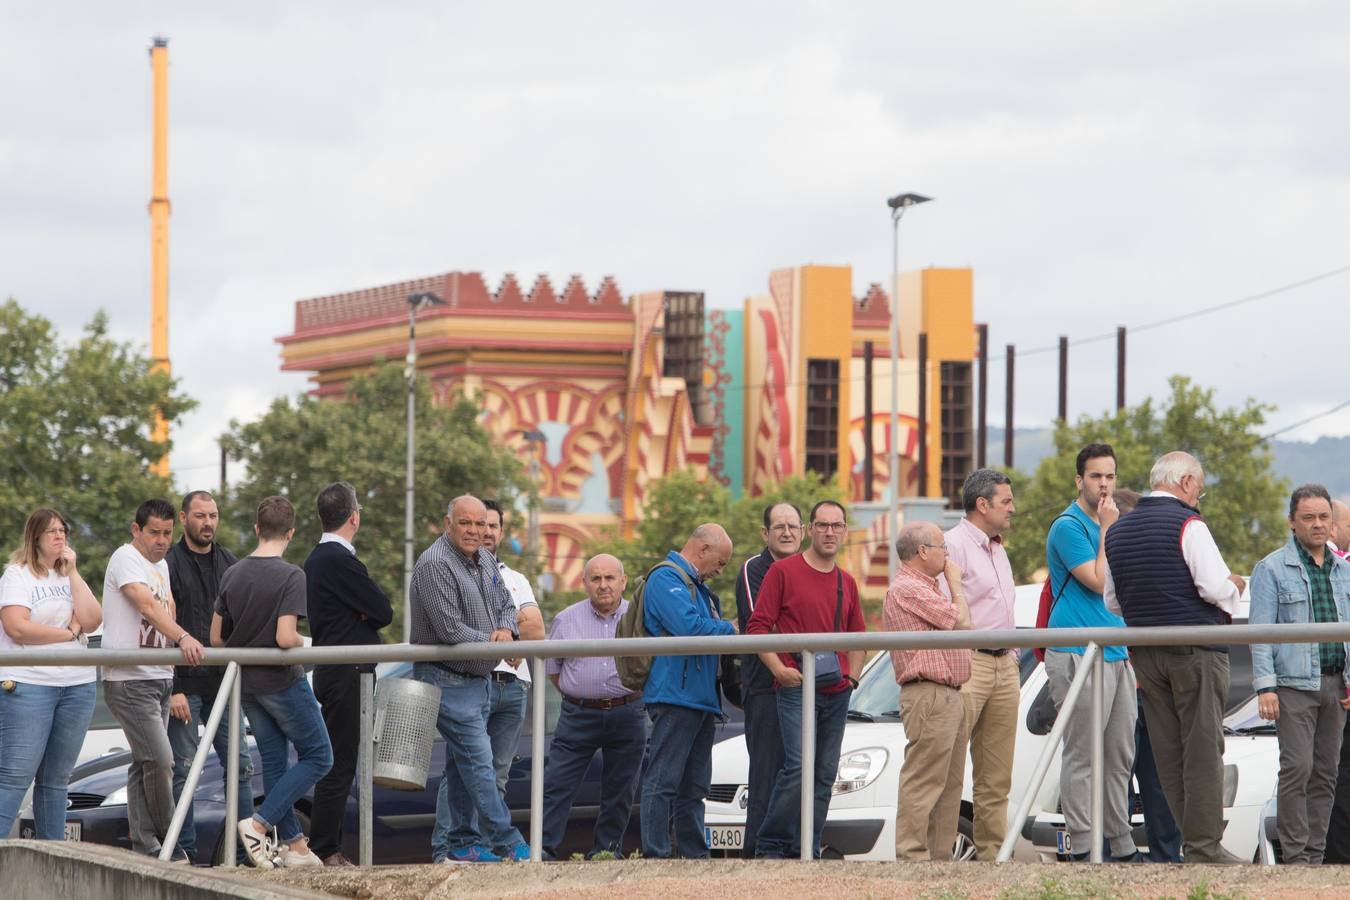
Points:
(1135, 857)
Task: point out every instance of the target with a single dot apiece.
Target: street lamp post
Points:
(898, 204)
(415, 302)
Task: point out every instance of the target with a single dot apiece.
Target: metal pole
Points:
(923, 420)
(893, 441)
(981, 416)
(194, 775)
(1120, 367)
(365, 773)
(539, 689)
(809, 753)
(1008, 410)
(1048, 752)
(409, 373)
(223, 459)
(868, 449)
(1098, 702)
(1063, 378)
(232, 771)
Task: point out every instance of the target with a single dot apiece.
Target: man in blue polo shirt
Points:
(1075, 552)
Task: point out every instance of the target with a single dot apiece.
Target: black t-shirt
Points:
(254, 593)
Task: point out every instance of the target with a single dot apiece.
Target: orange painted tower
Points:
(159, 238)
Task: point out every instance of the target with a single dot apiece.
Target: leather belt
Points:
(607, 703)
(504, 677)
(996, 651)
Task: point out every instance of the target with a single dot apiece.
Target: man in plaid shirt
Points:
(931, 708)
(1302, 688)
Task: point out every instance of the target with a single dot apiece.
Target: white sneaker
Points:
(290, 859)
(258, 848)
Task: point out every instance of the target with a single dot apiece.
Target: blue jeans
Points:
(620, 734)
(288, 717)
(780, 835)
(41, 731)
(1164, 838)
(471, 781)
(506, 718)
(184, 739)
(675, 781)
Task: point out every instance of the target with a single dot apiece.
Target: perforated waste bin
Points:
(405, 729)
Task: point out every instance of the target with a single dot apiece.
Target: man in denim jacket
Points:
(1302, 687)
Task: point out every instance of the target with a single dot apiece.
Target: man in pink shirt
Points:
(992, 694)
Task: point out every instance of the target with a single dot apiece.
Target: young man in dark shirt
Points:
(196, 564)
(262, 598)
(346, 607)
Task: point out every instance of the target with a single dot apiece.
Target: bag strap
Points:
(838, 597)
(1067, 571)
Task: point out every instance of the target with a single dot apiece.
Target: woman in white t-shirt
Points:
(44, 710)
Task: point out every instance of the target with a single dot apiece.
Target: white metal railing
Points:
(538, 651)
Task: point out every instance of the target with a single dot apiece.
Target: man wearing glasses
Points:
(931, 708)
(808, 594)
(782, 535)
(1163, 568)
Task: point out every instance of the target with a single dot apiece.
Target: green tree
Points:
(301, 445)
(678, 503)
(1243, 501)
(75, 432)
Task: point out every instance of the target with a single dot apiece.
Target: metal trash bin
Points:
(405, 729)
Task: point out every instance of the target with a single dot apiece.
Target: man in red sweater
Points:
(808, 594)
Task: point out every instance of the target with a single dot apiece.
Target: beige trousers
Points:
(992, 697)
(934, 716)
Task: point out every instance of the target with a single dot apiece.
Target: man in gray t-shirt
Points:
(262, 598)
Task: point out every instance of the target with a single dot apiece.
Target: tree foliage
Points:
(1244, 499)
(301, 445)
(75, 432)
(677, 504)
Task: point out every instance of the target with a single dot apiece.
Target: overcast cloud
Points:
(1095, 165)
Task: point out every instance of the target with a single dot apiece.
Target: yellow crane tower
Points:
(159, 239)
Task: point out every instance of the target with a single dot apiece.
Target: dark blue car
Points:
(403, 819)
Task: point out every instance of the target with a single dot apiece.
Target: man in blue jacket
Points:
(681, 695)
(1302, 687)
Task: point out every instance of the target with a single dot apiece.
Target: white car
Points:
(861, 820)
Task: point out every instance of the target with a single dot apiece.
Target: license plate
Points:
(72, 831)
(26, 830)
(1062, 842)
(724, 837)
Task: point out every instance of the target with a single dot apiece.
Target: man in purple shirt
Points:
(598, 713)
(993, 692)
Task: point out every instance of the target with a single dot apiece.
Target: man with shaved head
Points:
(681, 695)
(457, 596)
(1340, 528)
(598, 714)
(931, 707)
(1164, 569)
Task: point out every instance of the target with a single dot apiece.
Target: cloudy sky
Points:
(1096, 165)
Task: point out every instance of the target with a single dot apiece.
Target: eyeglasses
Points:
(58, 530)
(942, 547)
(830, 526)
(784, 528)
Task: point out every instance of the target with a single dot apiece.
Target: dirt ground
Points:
(789, 880)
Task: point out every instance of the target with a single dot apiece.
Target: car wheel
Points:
(964, 848)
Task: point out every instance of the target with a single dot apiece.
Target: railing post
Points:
(194, 775)
(232, 770)
(365, 773)
(1048, 753)
(1098, 701)
(538, 703)
(808, 753)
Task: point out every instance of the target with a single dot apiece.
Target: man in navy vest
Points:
(1164, 569)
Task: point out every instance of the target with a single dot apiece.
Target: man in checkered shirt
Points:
(931, 708)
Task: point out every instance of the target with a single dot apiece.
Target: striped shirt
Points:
(586, 677)
(915, 602)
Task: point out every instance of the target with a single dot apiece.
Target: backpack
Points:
(633, 670)
(1049, 596)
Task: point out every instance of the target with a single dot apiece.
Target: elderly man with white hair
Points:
(1164, 569)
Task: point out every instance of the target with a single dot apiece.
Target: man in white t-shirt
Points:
(510, 689)
(138, 612)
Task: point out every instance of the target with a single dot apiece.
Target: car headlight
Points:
(116, 798)
(859, 769)
(1230, 781)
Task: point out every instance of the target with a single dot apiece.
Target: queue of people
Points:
(1157, 566)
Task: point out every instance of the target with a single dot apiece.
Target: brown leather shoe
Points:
(337, 859)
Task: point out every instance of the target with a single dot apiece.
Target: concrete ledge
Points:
(61, 870)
